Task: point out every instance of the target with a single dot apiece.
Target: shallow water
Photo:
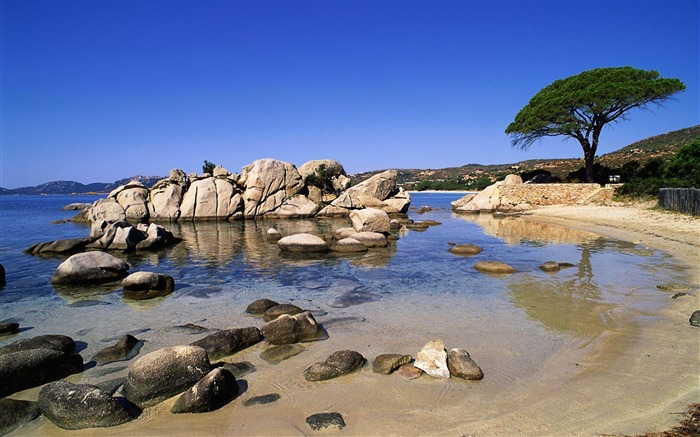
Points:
(520, 328)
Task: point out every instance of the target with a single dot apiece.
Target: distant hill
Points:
(660, 146)
(72, 187)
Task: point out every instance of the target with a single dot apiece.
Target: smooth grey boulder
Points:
(285, 308)
(57, 342)
(461, 365)
(121, 351)
(147, 285)
(229, 341)
(212, 392)
(67, 246)
(260, 306)
(337, 364)
(432, 359)
(90, 268)
(79, 406)
(164, 373)
(29, 368)
(287, 329)
(305, 243)
(14, 413)
(494, 267)
(370, 220)
(387, 363)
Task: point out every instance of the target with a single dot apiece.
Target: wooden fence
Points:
(685, 200)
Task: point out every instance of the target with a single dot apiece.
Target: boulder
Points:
(695, 318)
(461, 365)
(166, 196)
(14, 413)
(79, 406)
(275, 311)
(287, 329)
(387, 363)
(341, 233)
(212, 392)
(333, 211)
(370, 239)
(462, 201)
(147, 285)
(104, 211)
(380, 186)
(512, 179)
(122, 350)
(550, 266)
(164, 373)
(156, 237)
(33, 367)
(229, 341)
(305, 243)
(337, 364)
(133, 198)
(61, 343)
(322, 421)
(67, 246)
(348, 245)
(267, 184)
(465, 249)
(409, 371)
(8, 328)
(125, 237)
(494, 267)
(279, 353)
(432, 359)
(260, 306)
(210, 198)
(273, 235)
(331, 167)
(370, 220)
(296, 206)
(90, 268)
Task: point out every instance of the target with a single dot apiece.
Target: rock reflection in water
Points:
(568, 303)
(513, 230)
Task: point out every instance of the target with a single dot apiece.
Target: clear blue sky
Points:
(94, 91)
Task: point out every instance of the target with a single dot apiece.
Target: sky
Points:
(96, 91)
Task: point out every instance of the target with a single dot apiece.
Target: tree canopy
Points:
(579, 106)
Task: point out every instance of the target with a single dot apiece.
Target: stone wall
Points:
(551, 194)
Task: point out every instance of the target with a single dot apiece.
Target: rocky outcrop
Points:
(90, 268)
(125, 237)
(267, 184)
(79, 406)
(166, 196)
(211, 198)
(380, 191)
(133, 198)
(164, 373)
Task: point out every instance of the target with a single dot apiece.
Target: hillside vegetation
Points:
(476, 176)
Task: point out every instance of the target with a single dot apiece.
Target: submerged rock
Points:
(124, 349)
(261, 400)
(305, 243)
(277, 354)
(229, 341)
(78, 406)
(674, 287)
(465, 249)
(212, 392)
(238, 370)
(432, 359)
(348, 245)
(550, 266)
(494, 267)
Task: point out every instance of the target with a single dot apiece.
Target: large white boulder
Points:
(370, 220)
(267, 184)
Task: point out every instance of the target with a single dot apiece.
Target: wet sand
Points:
(634, 366)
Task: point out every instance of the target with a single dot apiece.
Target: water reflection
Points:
(514, 230)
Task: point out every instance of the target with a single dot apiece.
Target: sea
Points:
(413, 285)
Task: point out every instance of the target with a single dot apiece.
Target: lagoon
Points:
(536, 335)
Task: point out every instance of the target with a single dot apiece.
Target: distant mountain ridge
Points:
(660, 146)
(72, 187)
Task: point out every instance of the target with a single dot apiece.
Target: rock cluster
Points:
(490, 199)
(265, 188)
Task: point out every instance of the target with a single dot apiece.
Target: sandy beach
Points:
(628, 367)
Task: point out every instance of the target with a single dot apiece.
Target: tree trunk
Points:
(589, 156)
